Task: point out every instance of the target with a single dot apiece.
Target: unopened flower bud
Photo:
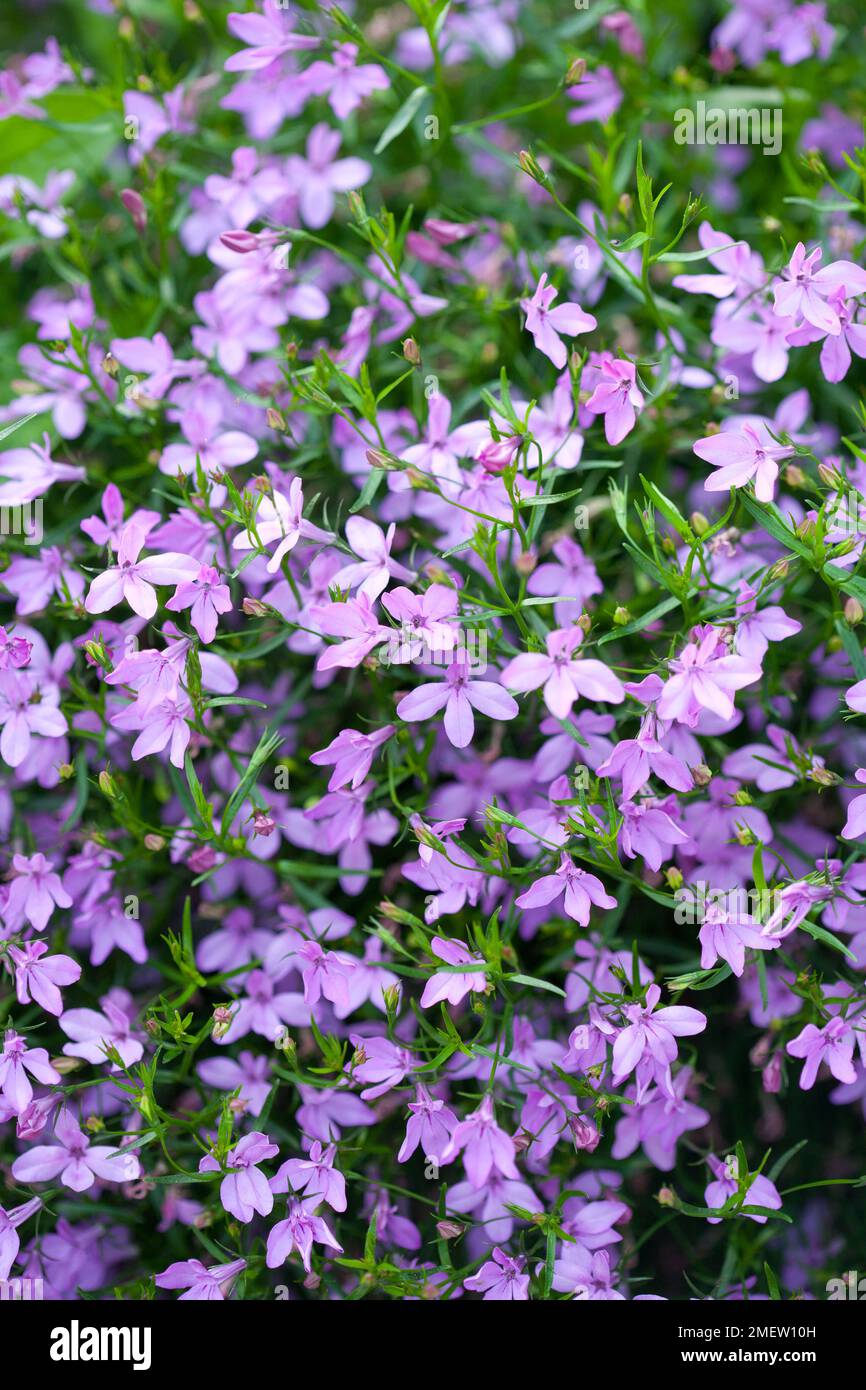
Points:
(222, 1017)
(411, 351)
(699, 523)
(275, 419)
(823, 777)
(263, 823)
(742, 798)
(576, 71)
(526, 563)
(449, 1230)
(794, 475)
(65, 771)
(853, 612)
(254, 608)
(240, 241)
(771, 1076)
(584, 1133)
(110, 365)
(106, 783)
(134, 204)
(674, 877)
(701, 775)
(621, 616)
(666, 1197)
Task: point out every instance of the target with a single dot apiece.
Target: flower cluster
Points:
(434, 798)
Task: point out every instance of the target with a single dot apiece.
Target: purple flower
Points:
(430, 1125)
(582, 890)
(597, 97)
(280, 518)
(200, 1281)
(133, 579)
(26, 710)
(653, 1032)
(727, 938)
(38, 979)
(268, 36)
(804, 289)
(298, 1232)
(35, 891)
(9, 1240)
(759, 1193)
(546, 323)
(703, 677)
(485, 1147)
(89, 1031)
(452, 985)
(833, 1044)
(500, 1279)
(616, 397)
(318, 176)
(351, 753)
(344, 81)
(16, 1061)
(564, 678)
(315, 1176)
(459, 694)
(76, 1161)
(741, 457)
(245, 1191)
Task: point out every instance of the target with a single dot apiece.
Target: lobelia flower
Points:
(382, 1062)
(206, 597)
(648, 830)
(317, 176)
(280, 518)
(653, 1032)
(25, 710)
(795, 902)
(38, 979)
(546, 323)
(760, 1192)
(163, 725)
(73, 1159)
(202, 1283)
(156, 360)
(354, 621)
(597, 96)
(14, 651)
(344, 81)
(430, 1125)
(107, 529)
(249, 1076)
(459, 693)
(500, 1279)
(658, 1121)
(133, 579)
(9, 1239)
(426, 622)
(268, 36)
(756, 630)
(298, 1232)
(376, 567)
(585, 1274)
(704, 675)
(726, 937)
(245, 1191)
(564, 678)
(804, 289)
(351, 753)
(452, 985)
(35, 890)
(741, 457)
(264, 1011)
(855, 823)
(90, 1031)
(616, 397)
(16, 1060)
(636, 759)
(833, 1044)
(573, 579)
(484, 1146)
(582, 890)
(315, 1176)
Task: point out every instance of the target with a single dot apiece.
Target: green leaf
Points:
(401, 119)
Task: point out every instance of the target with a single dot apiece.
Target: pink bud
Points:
(134, 204)
(771, 1076)
(240, 241)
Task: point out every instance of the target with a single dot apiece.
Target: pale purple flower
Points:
(453, 985)
(351, 753)
(546, 323)
(202, 1283)
(585, 1274)
(280, 518)
(73, 1159)
(804, 289)
(653, 1032)
(597, 96)
(572, 579)
(268, 36)
(703, 677)
(9, 1239)
(833, 1044)
(298, 1232)
(90, 1031)
(207, 597)
(564, 677)
(647, 830)
(245, 1191)
(317, 176)
(38, 979)
(741, 457)
(344, 81)
(315, 1177)
(384, 1063)
(155, 360)
(761, 1192)
(25, 710)
(35, 890)
(430, 1126)
(500, 1279)
(459, 693)
(134, 579)
(375, 567)
(636, 759)
(616, 397)
(16, 1060)
(724, 937)
(582, 891)
(485, 1147)
(248, 1075)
